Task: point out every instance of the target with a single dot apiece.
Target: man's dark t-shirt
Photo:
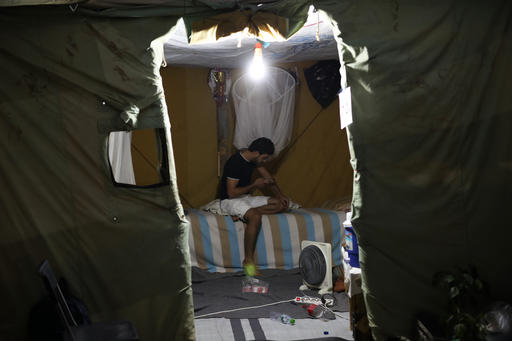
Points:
(236, 168)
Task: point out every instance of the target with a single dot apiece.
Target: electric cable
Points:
(244, 308)
(338, 314)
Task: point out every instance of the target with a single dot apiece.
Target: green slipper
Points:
(250, 270)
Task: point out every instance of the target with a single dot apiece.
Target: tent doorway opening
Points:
(313, 169)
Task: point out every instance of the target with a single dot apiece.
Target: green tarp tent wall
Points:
(68, 80)
(430, 147)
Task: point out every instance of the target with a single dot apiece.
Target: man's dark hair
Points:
(262, 145)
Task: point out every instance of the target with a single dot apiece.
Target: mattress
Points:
(216, 242)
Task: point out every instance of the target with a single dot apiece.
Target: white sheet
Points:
(219, 329)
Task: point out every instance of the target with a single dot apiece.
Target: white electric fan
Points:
(315, 263)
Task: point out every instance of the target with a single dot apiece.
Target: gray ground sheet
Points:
(215, 292)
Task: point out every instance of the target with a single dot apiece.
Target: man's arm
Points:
(235, 192)
(270, 181)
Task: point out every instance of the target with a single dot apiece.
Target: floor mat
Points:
(221, 292)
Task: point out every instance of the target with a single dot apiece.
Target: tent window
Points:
(138, 158)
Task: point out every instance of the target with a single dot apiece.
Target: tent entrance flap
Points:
(66, 77)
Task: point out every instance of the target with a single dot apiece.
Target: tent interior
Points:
(424, 163)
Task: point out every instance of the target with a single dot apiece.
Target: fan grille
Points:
(312, 265)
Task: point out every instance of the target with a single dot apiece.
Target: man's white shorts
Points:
(239, 206)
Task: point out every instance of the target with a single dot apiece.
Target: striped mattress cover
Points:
(217, 243)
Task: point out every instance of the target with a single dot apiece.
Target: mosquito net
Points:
(264, 108)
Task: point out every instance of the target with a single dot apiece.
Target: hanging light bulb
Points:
(257, 67)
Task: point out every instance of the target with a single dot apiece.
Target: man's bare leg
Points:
(253, 218)
(273, 206)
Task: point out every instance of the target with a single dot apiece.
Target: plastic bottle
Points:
(283, 318)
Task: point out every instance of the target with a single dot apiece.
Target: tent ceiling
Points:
(123, 3)
(225, 53)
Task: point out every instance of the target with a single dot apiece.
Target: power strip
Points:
(308, 300)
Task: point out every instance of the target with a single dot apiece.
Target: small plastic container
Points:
(254, 285)
(351, 245)
(283, 318)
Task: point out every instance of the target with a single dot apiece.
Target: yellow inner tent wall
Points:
(314, 172)
(145, 157)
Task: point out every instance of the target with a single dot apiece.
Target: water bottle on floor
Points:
(283, 318)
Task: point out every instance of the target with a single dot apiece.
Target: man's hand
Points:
(260, 183)
(269, 181)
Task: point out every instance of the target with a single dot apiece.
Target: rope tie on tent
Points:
(132, 112)
(141, 114)
(284, 154)
(129, 115)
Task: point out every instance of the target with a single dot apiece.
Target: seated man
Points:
(235, 198)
